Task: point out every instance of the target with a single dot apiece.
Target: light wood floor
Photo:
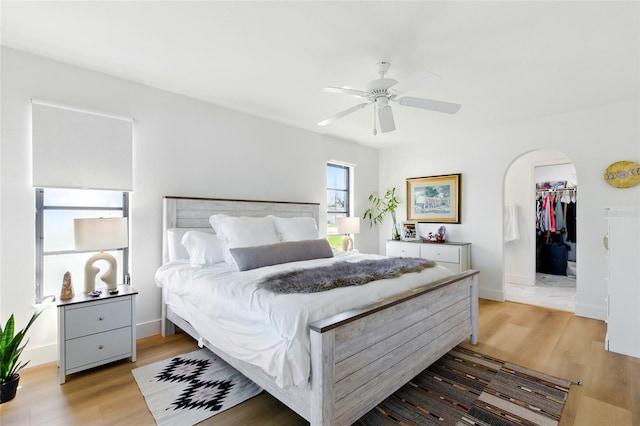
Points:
(554, 342)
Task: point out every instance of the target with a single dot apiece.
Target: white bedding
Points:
(263, 328)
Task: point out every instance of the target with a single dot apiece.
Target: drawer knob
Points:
(101, 347)
(100, 318)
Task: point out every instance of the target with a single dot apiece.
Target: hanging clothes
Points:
(552, 214)
(570, 221)
(548, 216)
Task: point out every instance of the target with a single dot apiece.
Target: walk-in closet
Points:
(540, 231)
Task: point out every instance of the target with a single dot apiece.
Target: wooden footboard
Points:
(361, 357)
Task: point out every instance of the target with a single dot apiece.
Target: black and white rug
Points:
(192, 387)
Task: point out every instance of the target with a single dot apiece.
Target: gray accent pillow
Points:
(273, 254)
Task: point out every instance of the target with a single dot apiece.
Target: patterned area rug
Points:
(467, 388)
(192, 387)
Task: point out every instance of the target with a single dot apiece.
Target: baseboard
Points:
(591, 311)
(41, 354)
(497, 295)
(149, 328)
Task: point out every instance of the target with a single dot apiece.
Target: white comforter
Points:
(263, 328)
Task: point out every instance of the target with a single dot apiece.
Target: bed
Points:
(357, 357)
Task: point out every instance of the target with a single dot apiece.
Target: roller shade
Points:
(79, 149)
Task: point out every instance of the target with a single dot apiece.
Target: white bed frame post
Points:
(322, 378)
(475, 311)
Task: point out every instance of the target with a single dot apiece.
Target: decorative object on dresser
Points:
(100, 234)
(93, 331)
(434, 198)
(348, 226)
(622, 174)
(452, 255)
(10, 349)
(192, 387)
(409, 231)
(437, 237)
(623, 280)
(66, 292)
(379, 208)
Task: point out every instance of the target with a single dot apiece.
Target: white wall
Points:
(592, 138)
(181, 147)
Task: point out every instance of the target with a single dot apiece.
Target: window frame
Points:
(39, 236)
(348, 195)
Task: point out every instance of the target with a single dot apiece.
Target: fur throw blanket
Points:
(342, 274)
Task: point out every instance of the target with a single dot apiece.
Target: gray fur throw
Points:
(342, 274)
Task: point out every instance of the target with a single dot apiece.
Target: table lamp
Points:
(100, 234)
(348, 226)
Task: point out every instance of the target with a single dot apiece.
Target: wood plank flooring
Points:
(554, 342)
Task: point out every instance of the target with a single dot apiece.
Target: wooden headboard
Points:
(187, 212)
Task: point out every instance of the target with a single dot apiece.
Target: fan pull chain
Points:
(375, 105)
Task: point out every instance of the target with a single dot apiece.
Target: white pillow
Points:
(174, 246)
(204, 248)
(241, 231)
(296, 228)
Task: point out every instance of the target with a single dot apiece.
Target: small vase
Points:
(395, 232)
(8, 389)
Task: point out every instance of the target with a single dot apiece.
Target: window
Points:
(338, 196)
(55, 251)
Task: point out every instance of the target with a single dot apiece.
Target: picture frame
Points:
(409, 231)
(434, 199)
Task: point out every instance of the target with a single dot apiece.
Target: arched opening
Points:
(540, 199)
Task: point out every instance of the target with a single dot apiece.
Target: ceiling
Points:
(503, 61)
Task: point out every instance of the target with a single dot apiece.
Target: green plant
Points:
(379, 208)
(10, 341)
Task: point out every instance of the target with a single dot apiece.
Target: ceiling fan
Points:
(381, 91)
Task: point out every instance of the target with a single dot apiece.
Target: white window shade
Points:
(76, 149)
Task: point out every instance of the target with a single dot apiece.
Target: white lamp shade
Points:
(101, 234)
(348, 225)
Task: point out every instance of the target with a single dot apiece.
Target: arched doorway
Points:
(539, 259)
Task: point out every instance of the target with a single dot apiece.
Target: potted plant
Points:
(380, 206)
(10, 351)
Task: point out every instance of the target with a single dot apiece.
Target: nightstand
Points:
(93, 331)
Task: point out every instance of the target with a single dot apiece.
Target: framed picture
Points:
(409, 231)
(434, 198)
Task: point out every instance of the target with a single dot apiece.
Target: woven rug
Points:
(467, 388)
(192, 387)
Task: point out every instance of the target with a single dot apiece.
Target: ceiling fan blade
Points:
(343, 91)
(430, 104)
(342, 114)
(415, 81)
(385, 117)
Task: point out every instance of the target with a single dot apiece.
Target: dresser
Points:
(623, 281)
(453, 256)
(93, 331)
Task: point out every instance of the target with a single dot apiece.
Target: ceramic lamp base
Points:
(347, 243)
(90, 272)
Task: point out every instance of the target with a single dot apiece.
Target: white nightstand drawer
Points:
(440, 252)
(97, 317)
(98, 347)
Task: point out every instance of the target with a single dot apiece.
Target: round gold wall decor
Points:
(622, 174)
